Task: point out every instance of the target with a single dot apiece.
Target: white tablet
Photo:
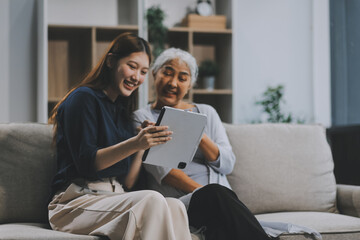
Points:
(187, 128)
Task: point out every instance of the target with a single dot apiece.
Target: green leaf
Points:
(271, 105)
(157, 31)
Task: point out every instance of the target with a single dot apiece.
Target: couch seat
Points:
(330, 225)
(37, 231)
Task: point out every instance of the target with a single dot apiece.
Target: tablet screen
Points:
(188, 128)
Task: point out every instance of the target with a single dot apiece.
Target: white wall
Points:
(92, 12)
(82, 12)
(4, 61)
(42, 61)
(275, 45)
(111, 12)
(23, 60)
(19, 60)
(321, 62)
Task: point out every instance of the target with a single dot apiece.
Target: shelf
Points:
(109, 33)
(54, 99)
(105, 35)
(119, 27)
(212, 92)
(69, 58)
(216, 45)
(75, 49)
(72, 52)
(198, 30)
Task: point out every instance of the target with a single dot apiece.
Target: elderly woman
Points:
(202, 185)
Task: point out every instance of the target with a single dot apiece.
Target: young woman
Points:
(212, 202)
(98, 155)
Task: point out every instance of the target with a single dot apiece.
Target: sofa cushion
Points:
(32, 231)
(38, 231)
(325, 236)
(26, 167)
(323, 222)
(282, 167)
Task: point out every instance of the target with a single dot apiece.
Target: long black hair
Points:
(99, 77)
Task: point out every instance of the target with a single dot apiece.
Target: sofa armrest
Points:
(348, 199)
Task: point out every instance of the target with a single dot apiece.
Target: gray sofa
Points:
(283, 173)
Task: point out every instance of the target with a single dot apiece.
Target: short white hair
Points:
(176, 53)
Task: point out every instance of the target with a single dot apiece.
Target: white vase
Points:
(209, 83)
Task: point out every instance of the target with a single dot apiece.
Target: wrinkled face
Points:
(129, 73)
(172, 82)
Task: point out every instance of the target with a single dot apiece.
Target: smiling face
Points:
(128, 74)
(172, 82)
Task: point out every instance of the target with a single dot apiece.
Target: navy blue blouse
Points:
(87, 121)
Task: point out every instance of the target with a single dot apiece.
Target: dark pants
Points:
(222, 213)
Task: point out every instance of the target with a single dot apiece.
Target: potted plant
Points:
(208, 70)
(271, 105)
(157, 31)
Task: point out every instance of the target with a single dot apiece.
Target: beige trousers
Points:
(105, 209)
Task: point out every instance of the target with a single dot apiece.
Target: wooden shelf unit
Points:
(73, 50)
(214, 44)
